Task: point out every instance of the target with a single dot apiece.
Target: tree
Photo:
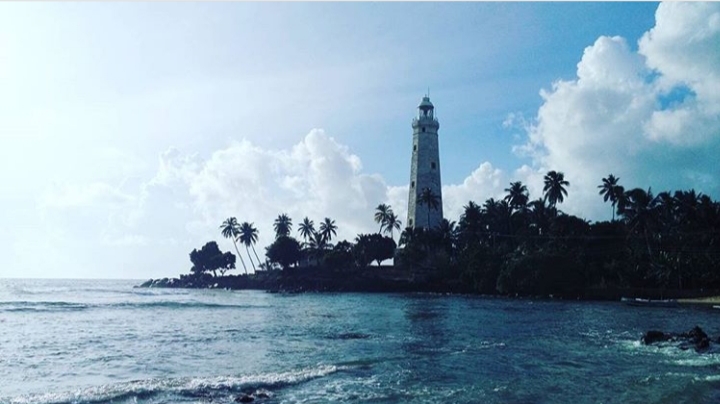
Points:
(306, 228)
(392, 223)
(382, 213)
(210, 258)
(611, 191)
(328, 229)
(284, 251)
(373, 247)
(540, 216)
(227, 262)
(554, 188)
(517, 196)
(640, 211)
(414, 251)
(447, 235)
(282, 225)
(249, 236)
(470, 228)
(428, 198)
(230, 229)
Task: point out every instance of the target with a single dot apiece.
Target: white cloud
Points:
(483, 183)
(615, 116)
(318, 178)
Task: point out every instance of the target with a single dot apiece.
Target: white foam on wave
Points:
(139, 388)
(699, 360)
(711, 378)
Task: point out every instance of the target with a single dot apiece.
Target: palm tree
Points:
(447, 235)
(611, 191)
(230, 229)
(639, 209)
(539, 216)
(517, 195)
(470, 226)
(428, 198)
(249, 236)
(382, 212)
(282, 225)
(392, 222)
(328, 229)
(412, 236)
(306, 228)
(555, 187)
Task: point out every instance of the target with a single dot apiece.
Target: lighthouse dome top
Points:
(426, 104)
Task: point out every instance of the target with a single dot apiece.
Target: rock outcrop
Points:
(696, 339)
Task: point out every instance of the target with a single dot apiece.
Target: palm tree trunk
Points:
(240, 256)
(256, 256)
(250, 258)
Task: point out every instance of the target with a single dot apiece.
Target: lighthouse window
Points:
(432, 165)
(410, 222)
(423, 129)
(412, 184)
(414, 147)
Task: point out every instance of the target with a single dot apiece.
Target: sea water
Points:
(90, 341)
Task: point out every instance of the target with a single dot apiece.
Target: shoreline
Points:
(318, 281)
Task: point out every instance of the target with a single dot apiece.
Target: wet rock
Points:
(244, 399)
(654, 336)
(696, 339)
(696, 334)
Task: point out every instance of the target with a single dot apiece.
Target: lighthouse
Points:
(425, 196)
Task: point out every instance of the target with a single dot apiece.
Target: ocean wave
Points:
(26, 306)
(61, 306)
(205, 387)
(181, 305)
(699, 360)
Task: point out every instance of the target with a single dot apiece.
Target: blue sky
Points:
(129, 131)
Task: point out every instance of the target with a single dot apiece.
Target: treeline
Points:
(517, 245)
(666, 241)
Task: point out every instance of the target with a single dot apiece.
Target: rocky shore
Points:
(297, 280)
(695, 339)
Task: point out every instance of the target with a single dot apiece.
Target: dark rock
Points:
(695, 335)
(244, 399)
(654, 336)
(696, 339)
(262, 394)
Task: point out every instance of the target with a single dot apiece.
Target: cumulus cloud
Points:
(651, 116)
(317, 178)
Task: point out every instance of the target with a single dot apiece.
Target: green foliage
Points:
(340, 258)
(542, 274)
(285, 251)
(282, 225)
(523, 246)
(373, 247)
(210, 258)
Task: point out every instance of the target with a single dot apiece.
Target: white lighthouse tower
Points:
(425, 169)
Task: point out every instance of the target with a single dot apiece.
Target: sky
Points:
(130, 131)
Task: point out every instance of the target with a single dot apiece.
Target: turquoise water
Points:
(103, 341)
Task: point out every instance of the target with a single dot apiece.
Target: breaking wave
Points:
(203, 387)
(50, 306)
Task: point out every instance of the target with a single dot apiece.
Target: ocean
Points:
(102, 341)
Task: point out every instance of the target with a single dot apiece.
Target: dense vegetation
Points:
(668, 241)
